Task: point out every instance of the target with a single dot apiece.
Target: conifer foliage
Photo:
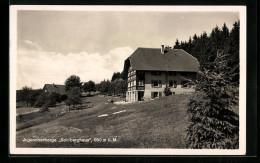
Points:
(204, 47)
(213, 122)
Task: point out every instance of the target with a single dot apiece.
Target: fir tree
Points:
(177, 45)
(213, 123)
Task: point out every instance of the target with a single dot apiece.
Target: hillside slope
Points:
(160, 123)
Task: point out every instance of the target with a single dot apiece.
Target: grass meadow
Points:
(159, 123)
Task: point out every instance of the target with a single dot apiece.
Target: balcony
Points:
(131, 79)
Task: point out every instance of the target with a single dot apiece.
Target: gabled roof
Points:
(171, 60)
(55, 88)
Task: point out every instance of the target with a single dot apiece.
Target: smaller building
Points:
(57, 88)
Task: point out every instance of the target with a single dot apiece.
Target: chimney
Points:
(162, 49)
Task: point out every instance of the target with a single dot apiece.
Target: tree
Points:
(195, 37)
(189, 46)
(64, 97)
(167, 91)
(177, 44)
(56, 96)
(97, 86)
(72, 81)
(34, 94)
(104, 86)
(25, 94)
(119, 86)
(73, 97)
(89, 86)
(111, 88)
(116, 75)
(213, 123)
(233, 49)
(46, 99)
(224, 37)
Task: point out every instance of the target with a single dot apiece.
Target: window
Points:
(156, 94)
(175, 84)
(156, 83)
(132, 83)
(170, 83)
(140, 72)
(156, 73)
(140, 83)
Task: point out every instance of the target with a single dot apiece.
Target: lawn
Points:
(159, 123)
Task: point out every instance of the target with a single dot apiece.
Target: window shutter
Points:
(152, 95)
(160, 94)
(152, 83)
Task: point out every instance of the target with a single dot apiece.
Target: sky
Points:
(52, 45)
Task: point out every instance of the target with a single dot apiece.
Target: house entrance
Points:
(140, 96)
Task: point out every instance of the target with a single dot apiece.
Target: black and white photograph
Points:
(166, 80)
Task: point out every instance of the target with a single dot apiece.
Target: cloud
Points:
(29, 45)
(36, 67)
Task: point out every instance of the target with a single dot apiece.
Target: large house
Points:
(150, 70)
(57, 88)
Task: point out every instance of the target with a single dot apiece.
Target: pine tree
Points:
(177, 44)
(189, 46)
(213, 123)
(233, 49)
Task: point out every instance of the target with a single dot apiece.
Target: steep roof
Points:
(171, 60)
(55, 88)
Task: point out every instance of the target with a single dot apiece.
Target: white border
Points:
(125, 151)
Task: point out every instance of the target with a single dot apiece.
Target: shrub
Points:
(167, 91)
(56, 96)
(64, 97)
(34, 94)
(20, 116)
(44, 108)
(45, 98)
